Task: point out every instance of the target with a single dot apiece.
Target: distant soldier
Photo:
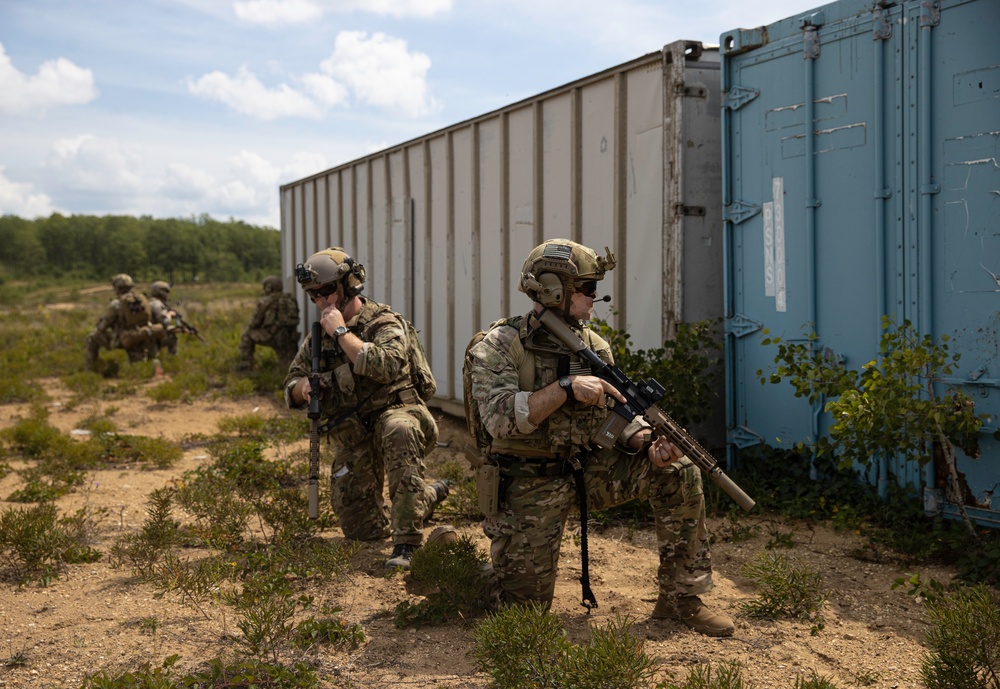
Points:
(274, 324)
(126, 324)
(163, 314)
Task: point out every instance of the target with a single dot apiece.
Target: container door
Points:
(806, 137)
(955, 58)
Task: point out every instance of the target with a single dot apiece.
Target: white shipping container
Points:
(627, 158)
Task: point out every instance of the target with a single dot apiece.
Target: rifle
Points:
(186, 327)
(640, 400)
(315, 391)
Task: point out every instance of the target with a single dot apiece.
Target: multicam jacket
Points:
(511, 362)
(378, 379)
(274, 312)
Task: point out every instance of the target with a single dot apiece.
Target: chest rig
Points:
(348, 395)
(573, 424)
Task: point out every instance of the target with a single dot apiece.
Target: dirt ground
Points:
(89, 619)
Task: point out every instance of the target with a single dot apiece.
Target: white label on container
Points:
(778, 192)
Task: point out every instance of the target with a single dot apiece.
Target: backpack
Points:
(135, 310)
(420, 369)
(286, 311)
(475, 422)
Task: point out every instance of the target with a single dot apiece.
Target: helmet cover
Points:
(556, 266)
(332, 265)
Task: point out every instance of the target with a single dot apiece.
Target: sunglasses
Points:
(588, 288)
(324, 291)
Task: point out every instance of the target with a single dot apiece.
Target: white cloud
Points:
(245, 94)
(19, 199)
(398, 8)
(57, 82)
(381, 71)
(87, 163)
(325, 90)
(281, 12)
(378, 70)
(277, 11)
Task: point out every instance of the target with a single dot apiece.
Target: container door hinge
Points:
(738, 211)
(742, 437)
(738, 96)
(881, 26)
(930, 13)
(741, 326)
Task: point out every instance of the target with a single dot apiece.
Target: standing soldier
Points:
(163, 314)
(540, 407)
(124, 325)
(371, 407)
(274, 324)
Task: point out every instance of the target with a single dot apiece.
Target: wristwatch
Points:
(567, 384)
(341, 330)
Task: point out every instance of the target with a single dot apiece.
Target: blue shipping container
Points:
(860, 177)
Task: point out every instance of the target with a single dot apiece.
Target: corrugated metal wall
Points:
(627, 158)
(861, 146)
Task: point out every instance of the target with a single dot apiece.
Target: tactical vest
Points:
(541, 360)
(360, 396)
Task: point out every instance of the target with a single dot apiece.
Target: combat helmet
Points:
(159, 290)
(331, 266)
(122, 283)
(555, 267)
(271, 284)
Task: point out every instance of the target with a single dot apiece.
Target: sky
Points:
(178, 108)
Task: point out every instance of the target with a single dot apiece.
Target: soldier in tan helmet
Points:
(274, 324)
(163, 314)
(373, 407)
(126, 324)
(539, 408)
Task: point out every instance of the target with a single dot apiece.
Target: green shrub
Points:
(521, 646)
(612, 659)
(455, 572)
(36, 544)
(964, 640)
(727, 675)
(787, 588)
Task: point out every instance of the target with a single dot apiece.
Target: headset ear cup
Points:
(551, 293)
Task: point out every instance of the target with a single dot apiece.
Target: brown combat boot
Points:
(442, 535)
(695, 614)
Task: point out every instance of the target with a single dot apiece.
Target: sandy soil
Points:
(89, 619)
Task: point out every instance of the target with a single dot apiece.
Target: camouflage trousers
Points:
(96, 340)
(400, 437)
(527, 530)
(285, 346)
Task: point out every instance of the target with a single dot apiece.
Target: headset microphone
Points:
(606, 297)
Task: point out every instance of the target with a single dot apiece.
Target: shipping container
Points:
(627, 158)
(860, 178)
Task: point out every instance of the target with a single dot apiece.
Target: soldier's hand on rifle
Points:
(663, 452)
(302, 389)
(593, 391)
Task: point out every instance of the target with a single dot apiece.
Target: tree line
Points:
(94, 247)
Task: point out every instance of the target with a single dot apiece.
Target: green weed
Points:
(964, 640)
(725, 675)
(455, 573)
(787, 588)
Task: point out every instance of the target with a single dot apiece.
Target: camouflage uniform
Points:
(163, 314)
(527, 530)
(378, 425)
(126, 315)
(274, 324)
